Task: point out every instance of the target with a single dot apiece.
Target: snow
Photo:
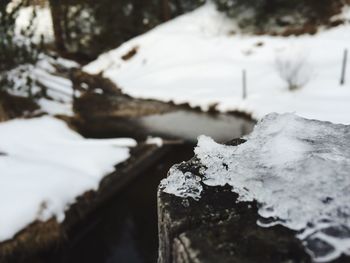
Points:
(296, 169)
(195, 58)
(155, 141)
(44, 73)
(42, 22)
(45, 166)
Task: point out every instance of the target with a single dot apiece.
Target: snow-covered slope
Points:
(45, 165)
(195, 59)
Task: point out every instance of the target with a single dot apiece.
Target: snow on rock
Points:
(296, 169)
(195, 58)
(45, 166)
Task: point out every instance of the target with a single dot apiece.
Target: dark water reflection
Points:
(189, 125)
(124, 230)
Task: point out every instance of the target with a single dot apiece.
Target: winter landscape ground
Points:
(294, 165)
(196, 59)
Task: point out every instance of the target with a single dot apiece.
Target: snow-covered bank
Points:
(43, 73)
(195, 59)
(45, 165)
(296, 169)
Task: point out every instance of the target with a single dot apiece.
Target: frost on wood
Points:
(298, 170)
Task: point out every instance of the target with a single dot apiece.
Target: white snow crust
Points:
(45, 166)
(44, 73)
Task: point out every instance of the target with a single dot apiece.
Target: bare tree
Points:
(295, 71)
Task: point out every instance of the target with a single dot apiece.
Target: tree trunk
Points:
(166, 10)
(3, 116)
(179, 9)
(270, 6)
(3, 4)
(57, 18)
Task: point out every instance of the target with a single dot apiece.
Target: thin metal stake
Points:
(244, 82)
(343, 71)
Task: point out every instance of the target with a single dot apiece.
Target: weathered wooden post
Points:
(343, 72)
(244, 84)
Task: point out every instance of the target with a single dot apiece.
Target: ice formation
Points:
(298, 170)
(182, 184)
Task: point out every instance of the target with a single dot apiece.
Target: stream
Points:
(124, 230)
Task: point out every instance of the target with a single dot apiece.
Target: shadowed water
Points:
(124, 230)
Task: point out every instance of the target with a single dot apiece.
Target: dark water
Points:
(188, 125)
(184, 124)
(124, 230)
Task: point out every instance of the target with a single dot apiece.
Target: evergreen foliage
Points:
(90, 27)
(259, 14)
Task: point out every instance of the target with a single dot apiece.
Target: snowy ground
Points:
(194, 59)
(45, 165)
(44, 73)
(296, 169)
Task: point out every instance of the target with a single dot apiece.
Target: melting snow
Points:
(298, 170)
(45, 165)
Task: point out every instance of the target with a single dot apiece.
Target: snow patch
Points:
(44, 74)
(46, 166)
(155, 140)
